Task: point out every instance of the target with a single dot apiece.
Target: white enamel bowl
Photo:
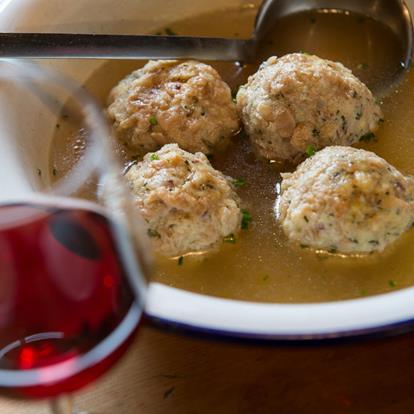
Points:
(31, 131)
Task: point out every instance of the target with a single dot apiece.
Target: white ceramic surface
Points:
(25, 138)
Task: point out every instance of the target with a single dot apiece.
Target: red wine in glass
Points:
(67, 307)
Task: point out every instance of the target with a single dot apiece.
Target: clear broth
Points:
(262, 266)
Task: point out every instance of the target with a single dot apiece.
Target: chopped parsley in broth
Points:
(153, 120)
(258, 263)
(310, 151)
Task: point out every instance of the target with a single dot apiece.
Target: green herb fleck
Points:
(246, 219)
(363, 66)
(153, 120)
(153, 233)
(310, 151)
(170, 32)
(306, 219)
(154, 157)
(367, 137)
(239, 182)
(363, 292)
(265, 278)
(230, 239)
(54, 172)
(180, 260)
(392, 283)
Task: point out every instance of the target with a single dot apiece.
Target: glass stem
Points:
(62, 405)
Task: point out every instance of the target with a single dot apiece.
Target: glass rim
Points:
(55, 373)
(97, 158)
(61, 371)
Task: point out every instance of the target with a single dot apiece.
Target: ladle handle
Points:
(102, 46)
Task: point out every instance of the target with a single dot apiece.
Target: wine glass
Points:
(73, 253)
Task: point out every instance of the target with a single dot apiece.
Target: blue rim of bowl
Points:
(371, 333)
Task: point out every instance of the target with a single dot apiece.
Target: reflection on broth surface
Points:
(262, 266)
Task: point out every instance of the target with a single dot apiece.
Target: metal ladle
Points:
(392, 13)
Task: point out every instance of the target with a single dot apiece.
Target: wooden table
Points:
(168, 373)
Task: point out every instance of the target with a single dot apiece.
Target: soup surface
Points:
(262, 265)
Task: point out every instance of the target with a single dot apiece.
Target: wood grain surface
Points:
(168, 373)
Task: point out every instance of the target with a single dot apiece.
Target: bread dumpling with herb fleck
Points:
(299, 103)
(168, 101)
(346, 200)
(189, 206)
